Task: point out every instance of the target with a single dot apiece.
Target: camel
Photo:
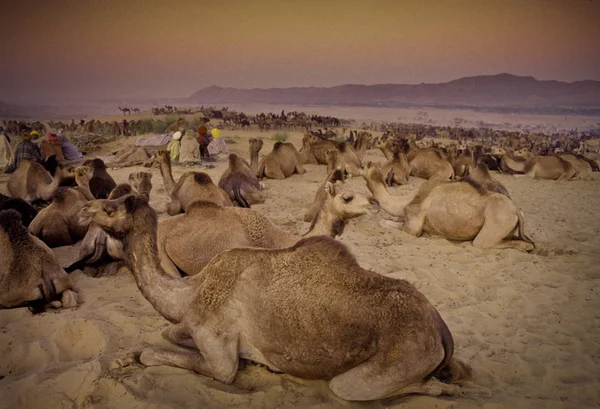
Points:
(58, 224)
(481, 175)
(396, 169)
(549, 167)
(32, 182)
(26, 210)
(429, 164)
(282, 162)
(241, 183)
(314, 150)
(30, 274)
(376, 337)
(321, 194)
(463, 163)
(101, 183)
(583, 169)
(190, 187)
(457, 210)
(131, 156)
(125, 110)
(360, 145)
(344, 158)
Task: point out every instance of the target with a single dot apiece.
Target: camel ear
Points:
(330, 189)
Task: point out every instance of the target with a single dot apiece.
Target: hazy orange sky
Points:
(145, 48)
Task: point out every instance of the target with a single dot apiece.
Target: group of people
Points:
(190, 148)
(36, 148)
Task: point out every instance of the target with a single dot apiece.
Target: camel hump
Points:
(277, 146)
(202, 178)
(62, 195)
(334, 249)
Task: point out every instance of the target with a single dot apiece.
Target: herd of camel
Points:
(234, 285)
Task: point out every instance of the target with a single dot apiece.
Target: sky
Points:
(171, 48)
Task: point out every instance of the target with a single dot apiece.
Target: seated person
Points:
(70, 152)
(26, 149)
(52, 146)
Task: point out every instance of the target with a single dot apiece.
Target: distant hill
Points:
(502, 92)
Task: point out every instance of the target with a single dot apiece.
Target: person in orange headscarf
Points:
(52, 146)
(204, 138)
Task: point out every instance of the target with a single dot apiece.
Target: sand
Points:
(527, 323)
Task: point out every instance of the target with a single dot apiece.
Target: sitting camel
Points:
(58, 224)
(206, 229)
(396, 169)
(101, 183)
(26, 210)
(583, 169)
(282, 162)
(30, 274)
(369, 335)
(322, 194)
(481, 175)
(241, 183)
(549, 167)
(142, 182)
(190, 187)
(429, 164)
(458, 210)
(314, 150)
(32, 182)
(344, 158)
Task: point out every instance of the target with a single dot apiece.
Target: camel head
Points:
(347, 204)
(141, 181)
(83, 174)
(256, 145)
(373, 173)
(113, 216)
(163, 157)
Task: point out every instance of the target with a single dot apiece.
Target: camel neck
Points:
(168, 295)
(394, 205)
(167, 175)
(254, 161)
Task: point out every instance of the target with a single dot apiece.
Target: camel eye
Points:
(347, 199)
(109, 212)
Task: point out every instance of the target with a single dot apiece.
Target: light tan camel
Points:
(361, 144)
(583, 169)
(58, 224)
(509, 163)
(255, 147)
(549, 167)
(282, 162)
(32, 182)
(30, 274)
(190, 187)
(314, 149)
(321, 194)
(131, 156)
(241, 183)
(429, 164)
(459, 210)
(369, 335)
(396, 170)
(463, 163)
(344, 158)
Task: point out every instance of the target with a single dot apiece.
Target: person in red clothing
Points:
(204, 138)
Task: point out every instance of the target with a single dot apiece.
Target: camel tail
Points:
(450, 370)
(521, 227)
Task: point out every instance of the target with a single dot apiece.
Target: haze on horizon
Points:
(154, 48)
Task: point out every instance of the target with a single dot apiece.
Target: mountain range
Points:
(501, 92)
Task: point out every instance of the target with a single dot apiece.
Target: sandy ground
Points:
(529, 324)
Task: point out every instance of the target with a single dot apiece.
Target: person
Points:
(6, 151)
(26, 149)
(218, 144)
(51, 146)
(175, 146)
(204, 138)
(70, 152)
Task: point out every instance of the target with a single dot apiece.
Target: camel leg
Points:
(415, 218)
(68, 299)
(274, 174)
(168, 266)
(20, 297)
(179, 334)
(515, 244)
(174, 208)
(299, 169)
(219, 358)
(498, 223)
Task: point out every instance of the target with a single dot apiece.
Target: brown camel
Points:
(369, 335)
(32, 182)
(30, 274)
(58, 224)
(282, 162)
(321, 194)
(101, 183)
(343, 157)
(549, 167)
(255, 147)
(361, 144)
(481, 175)
(241, 183)
(458, 210)
(142, 182)
(396, 169)
(190, 187)
(314, 150)
(463, 163)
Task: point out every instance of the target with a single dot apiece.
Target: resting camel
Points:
(583, 169)
(549, 167)
(314, 150)
(255, 145)
(429, 164)
(241, 183)
(30, 274)
(360, 145)
(344, 158)
(282, 162)
(396, 169)
(32, 182)
(458, 210)
(131, 156)
(58, 224)
(142, 182)
(101, 183)
(190, 187)
(26, 210)
(463, 163)
(369, 335)
(321, 194)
